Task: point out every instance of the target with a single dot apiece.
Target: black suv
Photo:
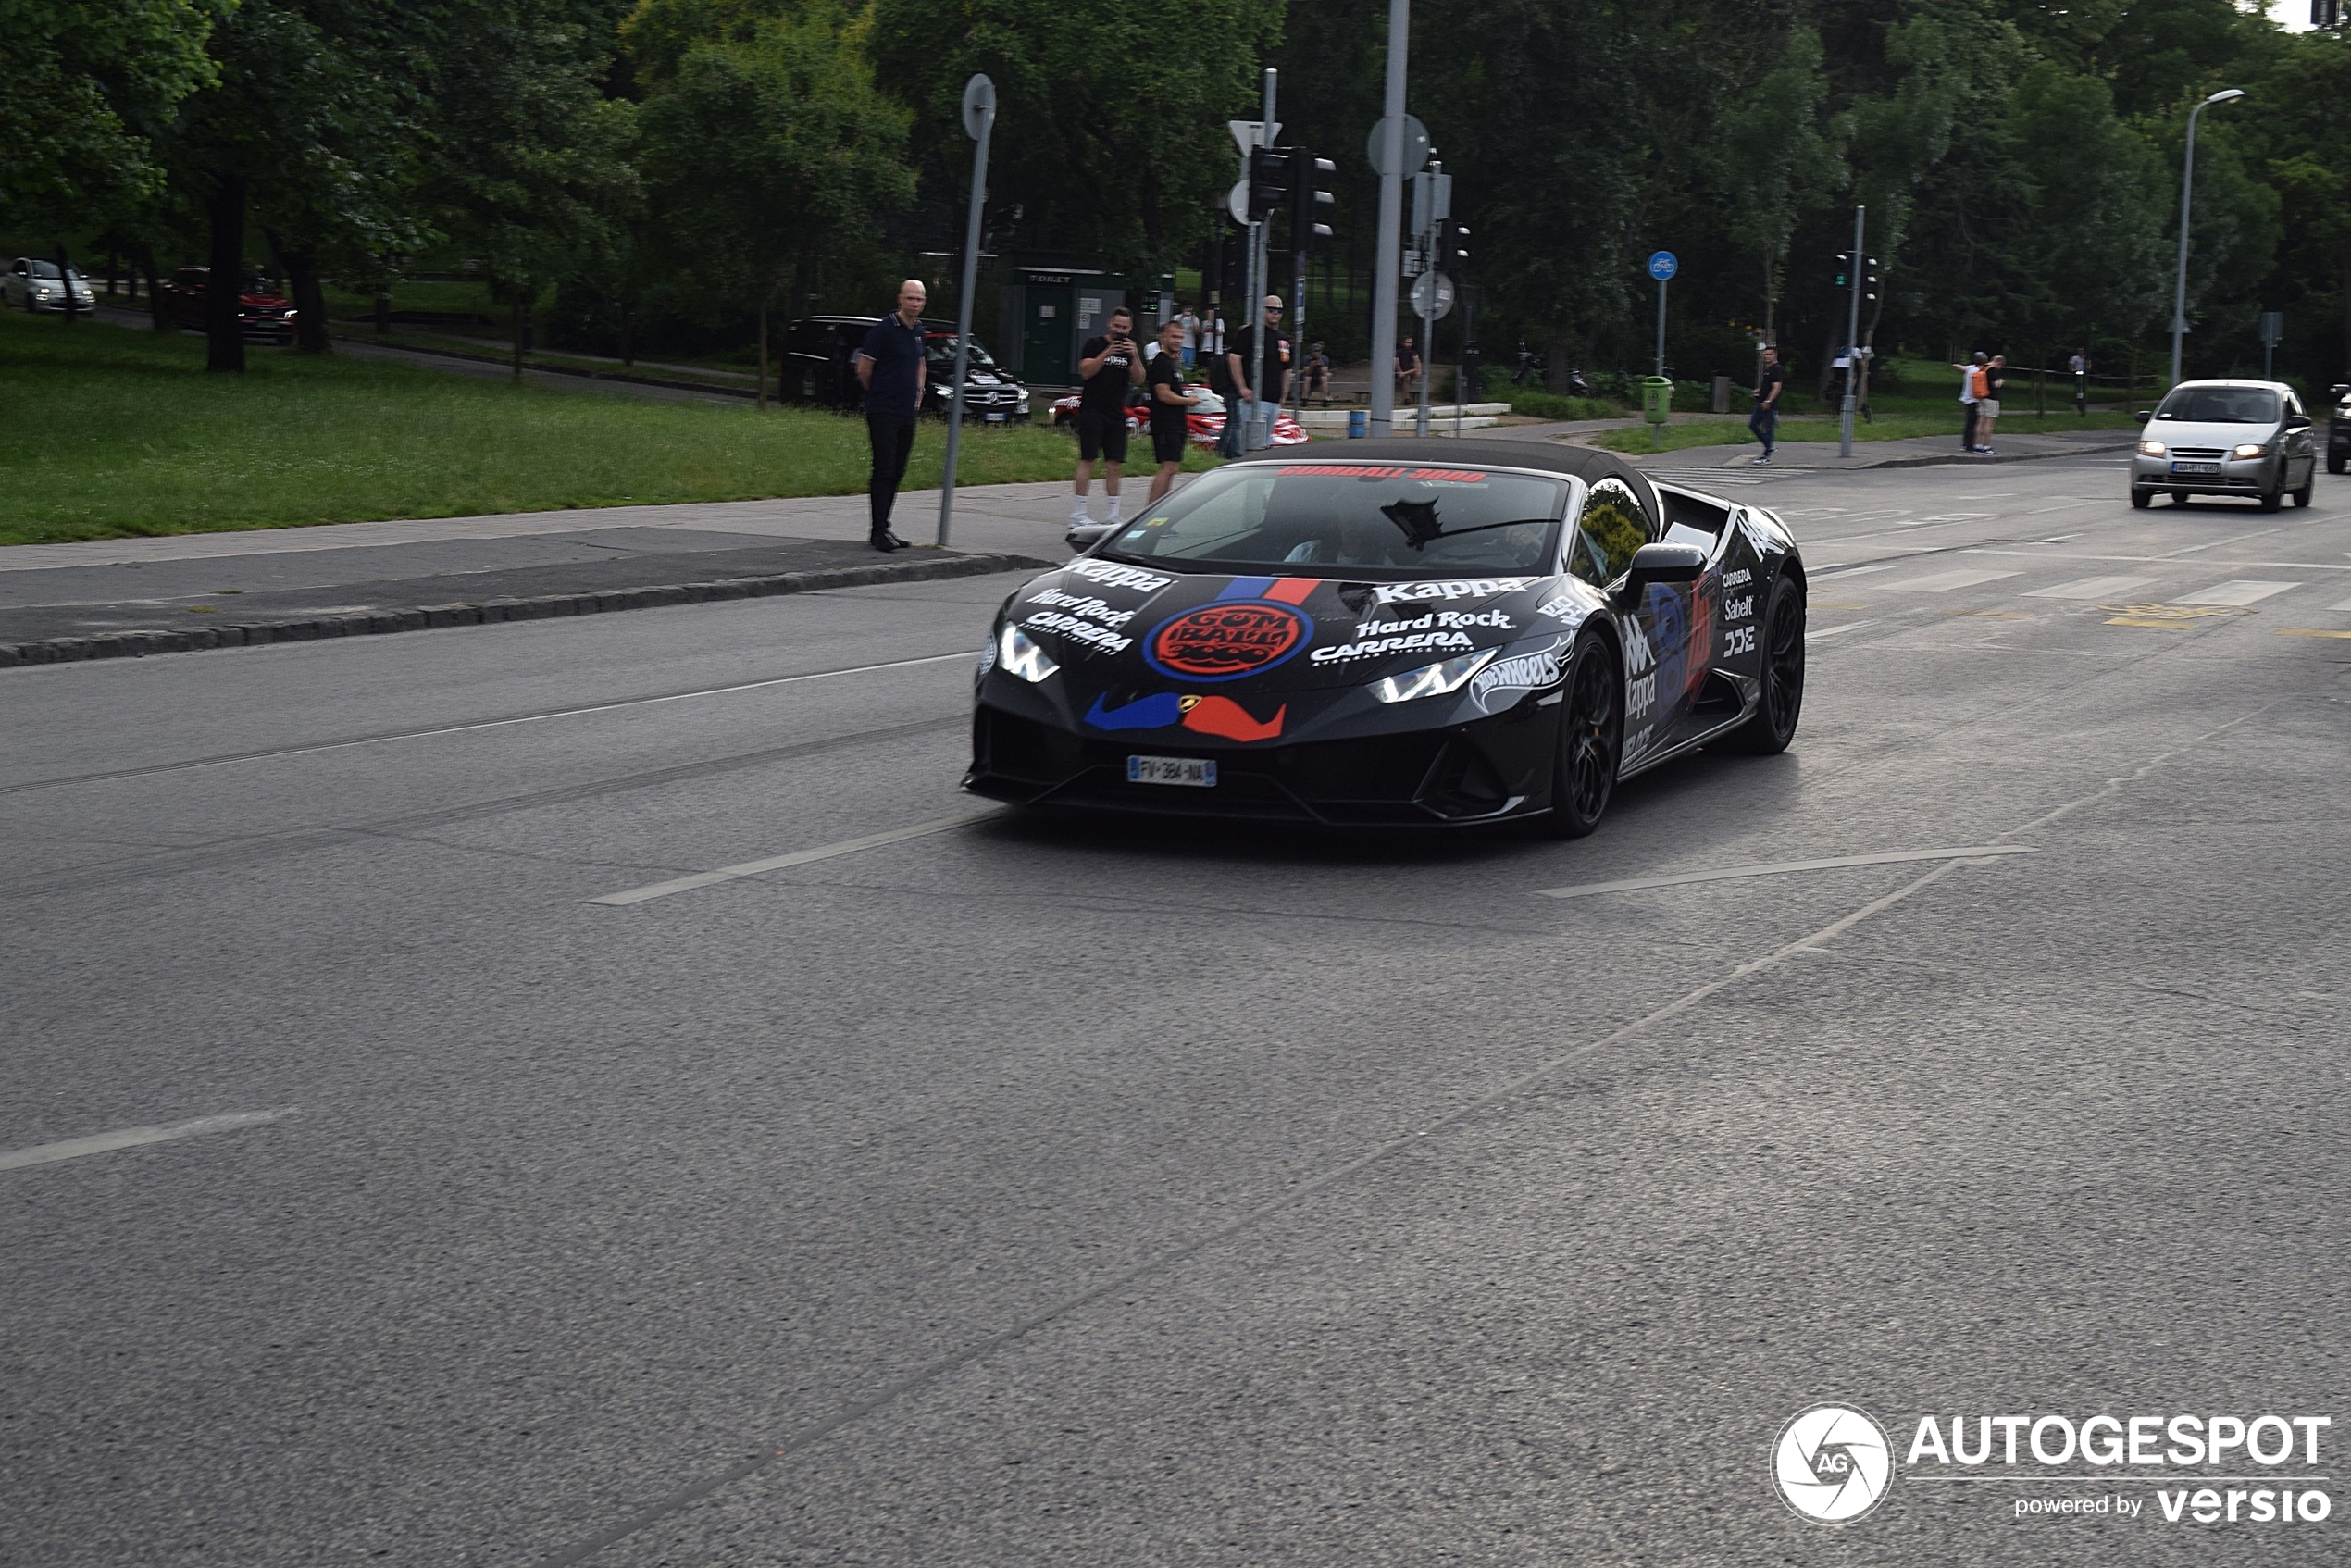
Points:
(820, 367)
(2339, 432)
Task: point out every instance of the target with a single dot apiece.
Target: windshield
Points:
(2220, 406)
(942, 353)
(1376, 518)
(49, 269)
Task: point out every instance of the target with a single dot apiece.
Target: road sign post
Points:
(1852, 339)
(1390, 163)
(979, 120)
(1662, 265)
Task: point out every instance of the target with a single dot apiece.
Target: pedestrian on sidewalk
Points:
(1987, 406)
(889, 368)
(1172, 404)
(1190, 324)
(2080, 365)
(1971, 389)
(1408, 370)
(1107, 366)
(1258, 359)
(1764, 423)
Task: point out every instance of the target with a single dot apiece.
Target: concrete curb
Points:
(372, 623)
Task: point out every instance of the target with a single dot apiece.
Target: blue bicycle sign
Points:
(1662, 265)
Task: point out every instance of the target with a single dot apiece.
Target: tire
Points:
(2179, 498)
(2141, 499)
(2274, 499)
(1773, 724)
(2309, 483)
(2338, 461)
(1591, 742)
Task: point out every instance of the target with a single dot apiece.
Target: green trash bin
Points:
(1657, 399)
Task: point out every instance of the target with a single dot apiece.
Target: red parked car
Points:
(1206, 419)
(266, 314)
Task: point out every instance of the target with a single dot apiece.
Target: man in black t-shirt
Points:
(1171, 408)
(1764, 423)
(1257, 358)
(1107, 366)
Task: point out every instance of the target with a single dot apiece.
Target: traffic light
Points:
(1844, 269)
(1305, 201)
(1450, 254)
(1269, 181)
(1869, 277)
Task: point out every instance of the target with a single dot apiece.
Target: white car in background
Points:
(31, 284)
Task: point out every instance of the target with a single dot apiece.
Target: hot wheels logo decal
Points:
(1252, 626)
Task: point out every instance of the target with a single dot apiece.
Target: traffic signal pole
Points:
(1852, 339)
(1389, 250)
(1260, 273)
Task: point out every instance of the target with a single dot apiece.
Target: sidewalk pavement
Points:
(108, 598)
(1911, 452)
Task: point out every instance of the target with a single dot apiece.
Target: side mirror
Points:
(1085, 536)
(1663, 562)
(2297, 421)
(2340, 390)
(2144, 414)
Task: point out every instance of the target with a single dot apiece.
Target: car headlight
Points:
(1431, 681)
(2248, 448)
(1022, 656)
(2152, 449)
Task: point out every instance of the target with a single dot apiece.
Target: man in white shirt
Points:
(1190, 323)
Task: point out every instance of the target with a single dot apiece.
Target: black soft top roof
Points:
(1586, 463)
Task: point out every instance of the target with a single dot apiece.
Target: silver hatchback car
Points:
(2248, 439)
(33, 285)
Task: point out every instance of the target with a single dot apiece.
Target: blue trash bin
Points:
(1359, 424)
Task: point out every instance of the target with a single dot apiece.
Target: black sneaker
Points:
(885, 541)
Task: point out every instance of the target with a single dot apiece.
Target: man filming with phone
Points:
(1107, 366)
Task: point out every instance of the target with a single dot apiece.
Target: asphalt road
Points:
(1032, 1192)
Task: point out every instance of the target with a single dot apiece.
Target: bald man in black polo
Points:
(889, 367)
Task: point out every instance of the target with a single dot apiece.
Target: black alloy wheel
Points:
(1772, 726)
(1591, 742)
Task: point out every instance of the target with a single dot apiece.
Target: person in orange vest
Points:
(1970, 393)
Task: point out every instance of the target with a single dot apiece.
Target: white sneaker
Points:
(1077, 517)
(1113, 512)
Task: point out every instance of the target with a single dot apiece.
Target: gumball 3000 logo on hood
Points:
(1249, 627)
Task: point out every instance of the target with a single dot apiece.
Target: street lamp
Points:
(2187, 183)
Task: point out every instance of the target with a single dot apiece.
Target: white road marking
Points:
(1944, 582)
(1838, 630)
(130, 1138)
(1973, 852)
(2244, 591)
(1827, 572)
(798, 857)
(2345, 605)
(2091, 588)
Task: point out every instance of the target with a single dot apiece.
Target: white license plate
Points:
(996, 418)
(2195, 467)
(1197, 772)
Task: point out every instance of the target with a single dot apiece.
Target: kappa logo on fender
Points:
(1252, 626)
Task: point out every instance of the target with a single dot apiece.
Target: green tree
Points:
(82, 88)
(767, 148)
(1780, 159)
(1108, 130)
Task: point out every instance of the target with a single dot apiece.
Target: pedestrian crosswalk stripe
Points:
(2243, 591)
(2345, 605)
(2091, 588)
(1944, 582)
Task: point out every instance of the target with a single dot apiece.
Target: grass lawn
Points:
(107, 431)
(1885, 427)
